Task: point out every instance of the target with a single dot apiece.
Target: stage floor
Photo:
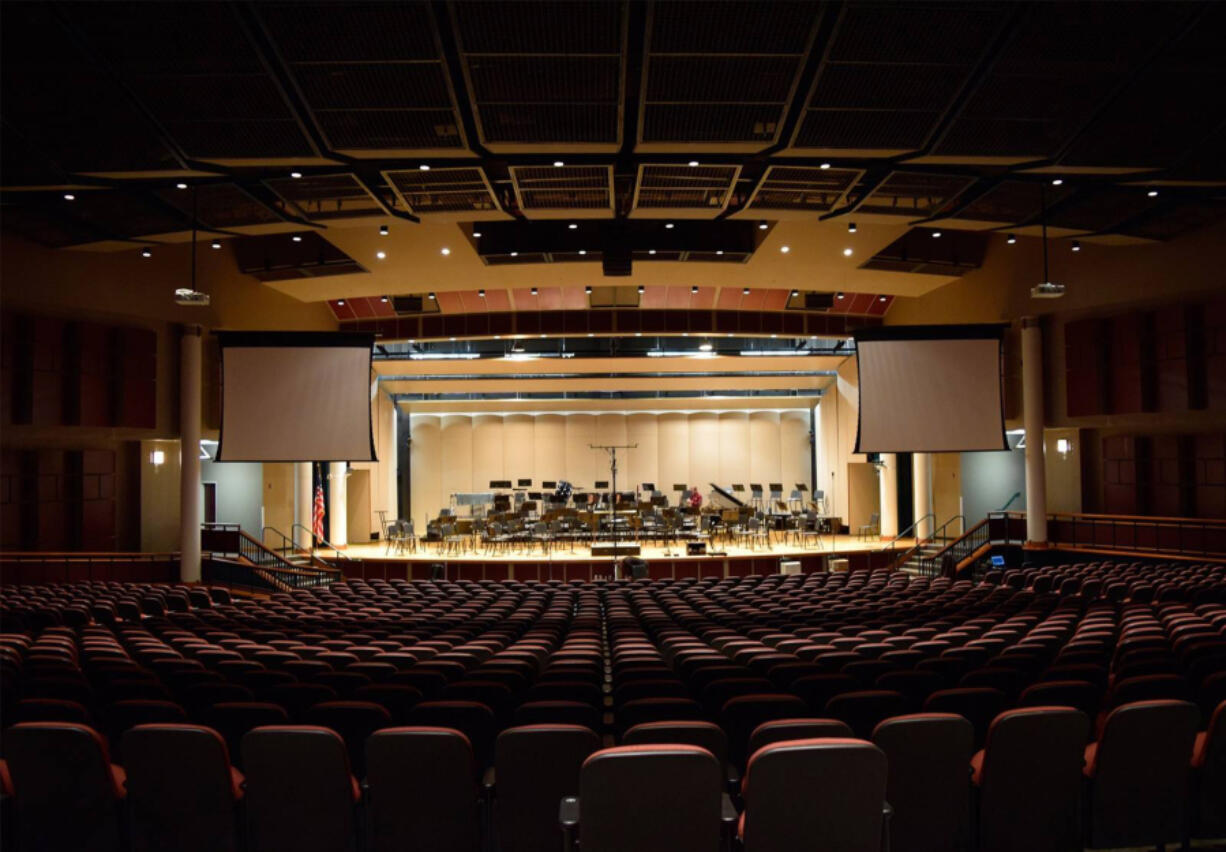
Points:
(652, 552)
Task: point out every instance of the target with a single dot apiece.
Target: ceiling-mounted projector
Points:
(191, 298)
(1047, 290)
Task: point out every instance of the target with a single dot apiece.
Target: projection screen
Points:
(931, 389)
(295, 396)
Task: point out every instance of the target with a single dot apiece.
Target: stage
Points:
(561, 562)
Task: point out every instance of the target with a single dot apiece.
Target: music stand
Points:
(756, 500)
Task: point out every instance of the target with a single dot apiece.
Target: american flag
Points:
(317, 516)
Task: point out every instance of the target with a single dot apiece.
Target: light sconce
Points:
(1063, 447)
(157, 458)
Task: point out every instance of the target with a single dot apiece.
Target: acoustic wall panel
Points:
(643, 462)
(549, 448)
(704, 449)
(766, 440)
(457, 450)
(736, 445)
(583, 467)
(487, 454)
(673, 448)
(518, 450)
(426, 466)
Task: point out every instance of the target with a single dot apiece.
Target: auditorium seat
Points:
(422, 791)
(354, 721)
(536, 767)
(1209, 779)
(780, 730)
(742, 715)
(300, 793)
(928, 786)
(863, 710)
(1138, 774)
(475, 721)
(50, 710)
(649, 798)
(1079, 694)
(978, 705)
(1028, 780)
(559, 712)
(123, 715)
(656, 710)
(182, 791)
(67, 793)
(832, 789)
(232, 720)
(396, 699)
(297, 698)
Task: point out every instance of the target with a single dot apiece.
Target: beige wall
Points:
(838, 416)
(378, 488)
(947, 490)
(462, 453)
(1063, 471)
(159, 497)
(278, 500)
(864, 494)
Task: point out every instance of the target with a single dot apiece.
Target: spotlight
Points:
(590, 334)
(146, 253)
(588, 290)
(383, 300)
(68, 196)
(425, 167)
(533, 291)
(296, 238)
(1058, 182)
(881, 298)
(215, 244)
(795, 293)
(847, 252)
(384, 230)
(838, 295)
(640, 289)
(719, 251)
(431, 296)
(444, 251)
(514, 254)
(1076, 246)
(1153, 193)
(340, 303)
(694, 290)
(851, 227)
(295, 175)
(785, 249)
(476, 235)
(481, 293)
(762, 226)
(936, 235)
(1011, 239)
(180, 186)
(582, 251)
(651, 251)
(557, 164)
(824, 166)
(638, 334)
(705, 346)
(381, 254)
(745, 291)
(573, 226)
(693, 163)
(669, 225)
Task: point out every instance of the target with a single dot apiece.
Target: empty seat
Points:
(51, 710)
(559, 713)
(741, 715)
(354, 721)
(1138, 774)
(650, 798)
(928, 786)
(978, 705)
(182, 790)
(66, 790)
(423, 791)
(536, 767)
(782, 730)
(234, 720)
(300, 792)
(1209, 775)
(831, 788)
(1028, 777)
(862, 711)
(702, 734)
(473, 720)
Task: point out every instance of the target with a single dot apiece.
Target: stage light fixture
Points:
(1011, 239)
(384, 230)
(215, 244)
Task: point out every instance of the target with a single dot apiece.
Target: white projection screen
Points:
(931, 389)
(295, 397)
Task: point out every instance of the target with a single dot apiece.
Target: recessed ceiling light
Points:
(745, 291)
(694, 290)
(795, 293)
(824, 166)
(881, 299)
(582, 251)
(383, 300)
(68, 196)
(340, 303)
(481, 293)
(1076, 246)
(1153, 193)
(847, 252)
(1058, 182)
(146, 253)
(452, 339)
(215, 244)
(838, 295)
(476, 235)
(785, 249)
(773, 336)
(542, 337)
(573, 226)
(651, 251)
(729, 334)
(638, 334)
(381, 254)
(640, 289)
(431, 296)
(590, 334)
(514, 254)
(936, 235)
(693, 163)
(557, 164)
(425, 167)
(180, 186)
(705, 346)
(533, 291)
(668, 225)
(1011, 239)
(295, 175)
(588, 290)
(851, 227)
(384, 230)
(296, 238)
(762, 226)
(444, 251)
(719, 251)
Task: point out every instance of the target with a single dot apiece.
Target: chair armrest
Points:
(887, 811)
(568, 819)
(488, 782)
(732, 780)
(728, 814)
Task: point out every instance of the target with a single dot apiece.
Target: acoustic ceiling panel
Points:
(443, 190)
(1170, 221)
(1099, 208)
(802, 188)
(220, 205)
(722, 71)
(685, 187)
(193, 66)
(1013, 201)
(371, 74)
(543, 72)
(122, 214)
(915, 194)
(891, 73)
(326, 196)
(44, 226)
(1026, 106)
(565, 187)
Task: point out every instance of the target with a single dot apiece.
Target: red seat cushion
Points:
(977, 768)
(1199, 749)
(1091, 755)
(120, 779)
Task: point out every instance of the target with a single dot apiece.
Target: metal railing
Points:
(957, 550)
(231, 539)
(917, 548)
(889, 545)
(318, 540)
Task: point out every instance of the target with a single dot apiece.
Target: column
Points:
(888, 473)
(921, 479)
(305, 510)
(189, 449)
(338, 504)
(1032, 419)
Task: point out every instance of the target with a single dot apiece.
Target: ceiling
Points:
(946, 113)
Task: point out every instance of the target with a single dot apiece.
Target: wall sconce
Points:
(157, 458)
(1063, 446)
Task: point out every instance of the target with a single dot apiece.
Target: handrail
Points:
(1009, 503)
(890, 544)
(320, 540)
(258, 556)
(920, 543)
(958, 549)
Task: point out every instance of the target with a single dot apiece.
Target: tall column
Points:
(338, 504)
(1032, 419)
(887, 471)
(921, 480)
(306, 504)
(189, 444)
